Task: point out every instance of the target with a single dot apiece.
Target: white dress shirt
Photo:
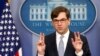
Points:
(65, 39)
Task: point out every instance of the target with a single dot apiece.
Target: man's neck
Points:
(63, 32)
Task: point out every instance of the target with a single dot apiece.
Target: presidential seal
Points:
(35, 14)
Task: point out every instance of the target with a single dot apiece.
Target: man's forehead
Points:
(59, 18)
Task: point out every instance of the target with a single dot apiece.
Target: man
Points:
(62, 42)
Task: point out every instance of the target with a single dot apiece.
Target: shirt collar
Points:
(66, 35)
(65, 38)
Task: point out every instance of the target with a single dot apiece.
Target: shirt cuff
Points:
(79, 53)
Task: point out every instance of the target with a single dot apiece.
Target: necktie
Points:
(61, 47)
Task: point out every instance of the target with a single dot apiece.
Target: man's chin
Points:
(60, 32)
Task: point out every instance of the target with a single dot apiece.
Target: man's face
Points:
(61, 23)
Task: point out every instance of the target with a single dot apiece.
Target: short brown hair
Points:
(55, 12)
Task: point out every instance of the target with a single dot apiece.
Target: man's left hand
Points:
(77, 42)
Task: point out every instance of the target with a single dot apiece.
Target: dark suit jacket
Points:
(51, 48)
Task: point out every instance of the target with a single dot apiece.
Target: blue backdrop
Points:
(28, 40)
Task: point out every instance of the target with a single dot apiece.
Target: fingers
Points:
(77, 36)
(41, 39)
(77, 42)
(72, 40)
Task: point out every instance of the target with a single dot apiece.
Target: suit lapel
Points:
(69, 46)
(54, 46)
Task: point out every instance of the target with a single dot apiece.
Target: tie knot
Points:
(61, 37)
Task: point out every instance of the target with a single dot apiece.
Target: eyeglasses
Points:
(57, 21)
